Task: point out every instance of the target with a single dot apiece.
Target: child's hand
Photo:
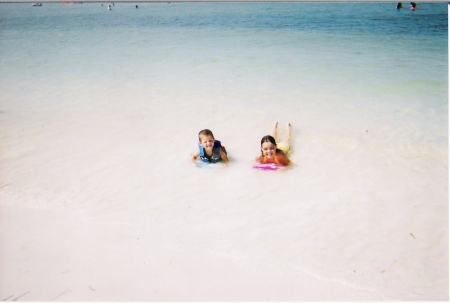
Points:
(194, 156)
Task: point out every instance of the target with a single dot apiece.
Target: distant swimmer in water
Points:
(136, 6)
(273, 152)
(109, 7)
(399, 5)
(413, 6)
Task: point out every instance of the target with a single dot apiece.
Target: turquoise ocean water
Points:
(364, 47)
(348, 55)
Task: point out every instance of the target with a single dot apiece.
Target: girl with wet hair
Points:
(273, 152)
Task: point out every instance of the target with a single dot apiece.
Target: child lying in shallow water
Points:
(210, 150)
(273, 152)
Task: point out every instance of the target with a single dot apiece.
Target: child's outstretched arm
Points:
(195, 155)
(284, 160)
(223, 155)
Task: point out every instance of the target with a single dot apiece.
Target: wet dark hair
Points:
(205, 132)
(271, 140)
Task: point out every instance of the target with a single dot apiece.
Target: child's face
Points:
(268, 149)
(207, 142)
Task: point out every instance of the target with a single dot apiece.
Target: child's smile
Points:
(207, 142)
(268, 149)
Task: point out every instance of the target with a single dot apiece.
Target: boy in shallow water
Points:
(273, 152)
(210, 150)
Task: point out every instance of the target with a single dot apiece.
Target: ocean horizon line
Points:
(243, 1)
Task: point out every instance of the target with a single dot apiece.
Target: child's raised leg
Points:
(287, 136)
(274, 131)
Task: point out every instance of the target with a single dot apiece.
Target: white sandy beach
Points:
(99, 201)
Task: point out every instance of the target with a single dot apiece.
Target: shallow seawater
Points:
(100, 112)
